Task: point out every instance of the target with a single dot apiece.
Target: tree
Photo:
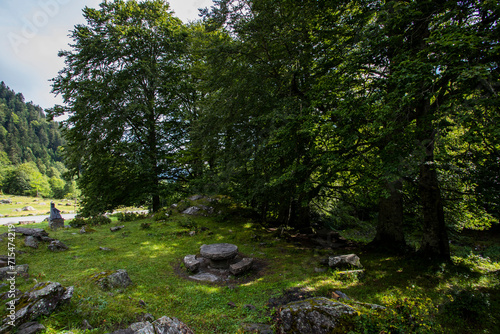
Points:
(124, 90)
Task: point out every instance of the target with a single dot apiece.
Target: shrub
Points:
(78, 222)
(99, 220)
(467, 305)
(129, 216)
(163, 214)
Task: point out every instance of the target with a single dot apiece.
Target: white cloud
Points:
(33, 32)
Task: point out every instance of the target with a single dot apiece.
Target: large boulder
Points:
(164, 325)
(112, 280)
(41, 300)
(31, 241)
(317, 315)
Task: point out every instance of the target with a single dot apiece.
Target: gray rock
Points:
(205, 277)
(192, 210)
(112, 280)
(166, 325)
(142, 328)
(219, 252)
(55, 223)
(241, 266)
(6, 272)
(40, 300)
(57, 246)
(192, 263)
(34, 232)
(31, 241)
(344, 260)
(257, 328)
(6, 201)
(116, 228)
(31, 328)
(312, 316)
(195, 197)
(342, 295)
(29, 208)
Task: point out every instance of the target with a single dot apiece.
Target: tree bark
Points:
(435, 243)
(390, 235)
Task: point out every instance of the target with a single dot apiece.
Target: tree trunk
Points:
(390, 235)
(435, 242)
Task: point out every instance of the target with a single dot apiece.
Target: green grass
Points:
(41, 206)
(420, 297)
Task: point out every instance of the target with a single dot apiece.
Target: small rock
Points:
(192, 233)
(57, 246)
(344, 260)
(192, 263)
(250, 307)
(105, 249)
(205, 277)
(19, 269)
(109, 281)
(29, 208)
(116, 228)
(31, 328)
(231, 304)
(342, 295)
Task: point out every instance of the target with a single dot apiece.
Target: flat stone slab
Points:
(219, 252)
(241, 267)
(205, 277)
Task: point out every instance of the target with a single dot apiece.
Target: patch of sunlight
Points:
(261, 279)
(248, 225)
(145, 243)
(207, 289)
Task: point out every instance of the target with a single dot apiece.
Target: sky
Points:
(32, 32)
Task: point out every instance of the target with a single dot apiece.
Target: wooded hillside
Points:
(30, 161)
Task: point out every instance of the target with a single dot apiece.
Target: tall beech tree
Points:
(124, 90)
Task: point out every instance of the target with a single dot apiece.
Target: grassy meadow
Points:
(41, 206)
(462, 297)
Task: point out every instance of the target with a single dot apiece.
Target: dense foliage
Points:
(30, 160)
(352, 110)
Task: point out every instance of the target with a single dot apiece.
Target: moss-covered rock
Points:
(112, 279)
(312, 316)
(40, 300)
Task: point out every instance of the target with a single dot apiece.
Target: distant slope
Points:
(30, 163)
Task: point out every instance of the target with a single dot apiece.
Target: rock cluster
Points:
(216, 262)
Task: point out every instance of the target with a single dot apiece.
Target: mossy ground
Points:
(419, 295)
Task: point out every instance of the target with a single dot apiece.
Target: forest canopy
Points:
(312, 113)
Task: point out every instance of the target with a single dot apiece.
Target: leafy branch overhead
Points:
(380, 111)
